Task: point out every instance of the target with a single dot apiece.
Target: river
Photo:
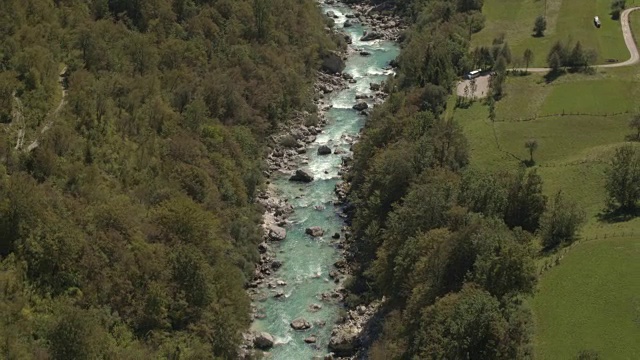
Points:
(308, 261)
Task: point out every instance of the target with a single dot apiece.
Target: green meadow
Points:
(591, 300)
(566, 20)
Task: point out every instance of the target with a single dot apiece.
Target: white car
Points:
(596, 21)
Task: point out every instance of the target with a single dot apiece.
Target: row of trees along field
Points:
(452, 249)
(127, 233)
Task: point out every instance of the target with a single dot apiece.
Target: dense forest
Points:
(131, 145)
(450, 247)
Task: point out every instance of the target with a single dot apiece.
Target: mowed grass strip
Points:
(566, 20)
(562, 139)
(592, 97)
(591, 301)
(573, 151)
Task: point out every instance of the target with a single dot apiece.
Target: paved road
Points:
(628, 40)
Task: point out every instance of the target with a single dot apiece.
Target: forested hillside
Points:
(131, 146)
(451, 248)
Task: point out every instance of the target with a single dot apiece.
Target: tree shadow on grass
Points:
(519, 73)
(552, 75)
(632, 137)
(528, 163)
(618, 215)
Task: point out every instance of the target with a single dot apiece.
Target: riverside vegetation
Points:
(129, 228)
(602, 102)
(451, 248)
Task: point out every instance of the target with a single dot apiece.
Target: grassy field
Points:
(591, 301)
(588, 301)
(573, 149)
(566, 20)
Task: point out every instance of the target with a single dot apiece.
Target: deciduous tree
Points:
(623, 179)
(561, 221)
(540, 26)
(528, 58)
(617, 6)
(526, 201)
(532, 146)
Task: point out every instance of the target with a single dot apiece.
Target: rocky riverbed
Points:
(304, 164)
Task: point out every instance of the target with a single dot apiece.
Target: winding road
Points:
(628, 40)
(482, 83)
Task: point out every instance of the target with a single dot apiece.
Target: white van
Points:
(473, 74)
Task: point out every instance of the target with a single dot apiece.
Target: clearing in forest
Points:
(591, 300)
(566, 20)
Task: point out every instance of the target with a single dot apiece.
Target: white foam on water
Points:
(323, 138)
(319, 169)
(299, 219)
(373, 44)
(342, 103)
(282, 340)
(355, 73)
(376, 71)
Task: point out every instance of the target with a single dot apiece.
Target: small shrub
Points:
(312, 120)
(288, 141)
(588, 355)
(617, 6)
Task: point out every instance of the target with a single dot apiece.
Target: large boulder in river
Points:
(324, 150)
(344, 341)
(374, 35)
(263, 341)
(311, 339)
(300, 324)
(331, 14)
(333, 63)
(315, 231)
(276, 233)
(361, 106)
(302, 176)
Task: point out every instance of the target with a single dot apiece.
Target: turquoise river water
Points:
(303, 257)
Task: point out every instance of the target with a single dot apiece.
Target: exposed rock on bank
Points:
(276, 233)
(263, 340)
(345, 337)
(333, 63)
